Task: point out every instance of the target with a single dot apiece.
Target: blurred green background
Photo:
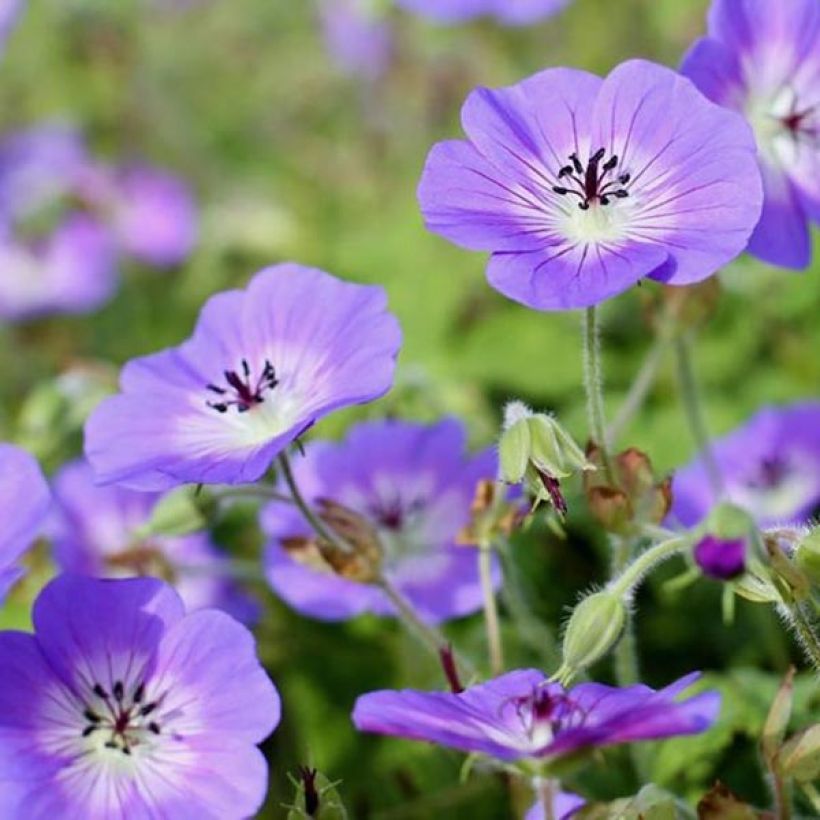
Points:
(292, 159)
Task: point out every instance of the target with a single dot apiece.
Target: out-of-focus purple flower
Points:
(770, 466)
(24, 502)
(262, 366)
(564, 805)
(414, 484)
(153, 215)
(508, 12)
(357, 38)
(762, 58)
(97, 532)
(521, 715)
(9, 13)
(56, 255)
(71, 270)
(581, 187)
(121, 705)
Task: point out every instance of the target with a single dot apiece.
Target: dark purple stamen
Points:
(588, 183)
(122, 719)
(241, 392)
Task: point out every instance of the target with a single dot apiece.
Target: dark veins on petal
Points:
(592, 184)
(241, 391)
(125, 718)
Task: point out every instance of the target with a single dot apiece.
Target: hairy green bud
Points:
(595, 626)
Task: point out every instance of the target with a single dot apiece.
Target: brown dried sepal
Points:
(490, 516)
(721, 803)
(635, 498)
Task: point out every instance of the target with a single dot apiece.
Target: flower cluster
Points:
(66, 219)
(140, 691)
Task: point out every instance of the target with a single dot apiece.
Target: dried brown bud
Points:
(635, 498)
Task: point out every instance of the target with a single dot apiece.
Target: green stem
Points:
(805, 634)
(546, 788)
(593, 386)
(494, 643)
(632, 576)
(257, 491)
(299, 500)
(693, 407)
(428, 635)
(639, 389)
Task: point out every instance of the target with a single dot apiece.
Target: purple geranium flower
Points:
(581, 187)
(414, 484)
(358, 39)
(770, 466)
(720, 558)
(24, 502)
(262, 366)
(9, 13)
(564, 806)
(521, 715)
(509, 12)
(97, 531)
(153, 215)
(56, 255)
(762, 58)
(121, 705)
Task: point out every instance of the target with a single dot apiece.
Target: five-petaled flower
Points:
(770, 466)
(262, 366)
(121, 705)
(521, 715)
(414, 485)
(762, 58)
(581, 187)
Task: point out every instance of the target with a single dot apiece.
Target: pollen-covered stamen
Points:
(589, 183)
(122, 718)
(241, 391)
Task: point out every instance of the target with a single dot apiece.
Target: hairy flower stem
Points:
(693, 408)
(593, 386)
(491, 623)
(626, 657)
(625, 584)
(311, 517)
(639, 389)
(806, 636)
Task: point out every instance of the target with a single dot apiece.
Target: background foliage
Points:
(291, 159)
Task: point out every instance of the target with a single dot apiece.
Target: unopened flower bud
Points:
(721, 552)
(595, 626)
(535, 449)
(807, 555)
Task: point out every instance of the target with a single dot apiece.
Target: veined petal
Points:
(573, 276)
(694, 185)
